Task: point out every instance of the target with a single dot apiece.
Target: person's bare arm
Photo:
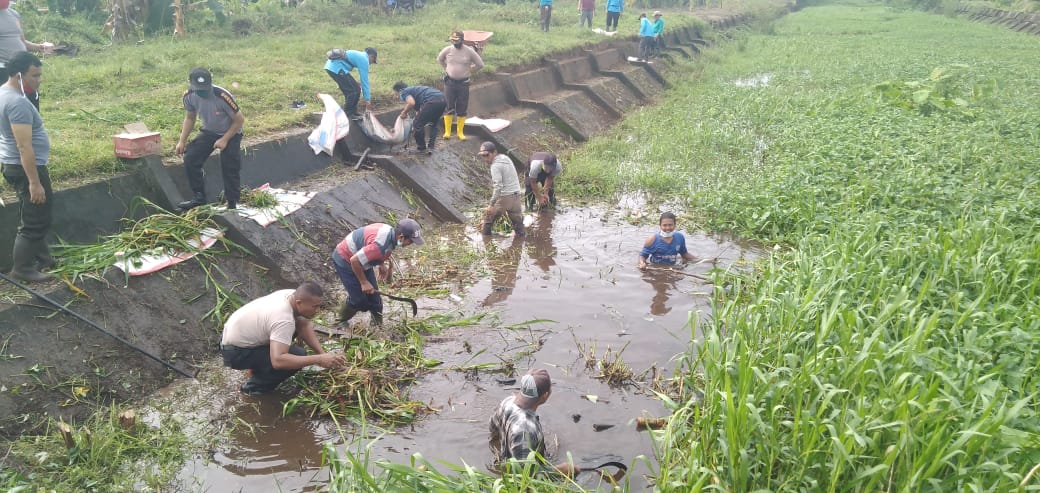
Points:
(186, 127)
(642, 260)
(282, 359)
(237, 121)
(359, 272)
(409, 103)
(305, 332)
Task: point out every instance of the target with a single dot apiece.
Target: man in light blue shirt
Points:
(646, 38)
(339, 65)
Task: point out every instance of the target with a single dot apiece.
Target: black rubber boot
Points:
(377, 319)
(25, 251)
(346, 312)
(197, 200)
(43, 256)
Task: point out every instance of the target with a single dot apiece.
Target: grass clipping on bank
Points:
(161, 232)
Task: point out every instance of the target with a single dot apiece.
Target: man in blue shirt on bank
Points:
(339, 65)
(614, 9)
(646, 38)
(545, 8)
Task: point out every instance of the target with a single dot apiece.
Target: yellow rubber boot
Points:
(447, 126)
(461, 121)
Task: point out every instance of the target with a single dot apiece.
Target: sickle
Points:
(614, 478)
(415, 307)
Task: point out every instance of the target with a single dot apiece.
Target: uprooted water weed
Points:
(357, 470)
(375, 381)
(611, 368)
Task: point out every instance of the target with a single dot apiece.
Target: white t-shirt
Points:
(265, 319)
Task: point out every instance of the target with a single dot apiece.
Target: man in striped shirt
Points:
(356, 256)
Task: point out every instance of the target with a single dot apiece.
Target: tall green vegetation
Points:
(891, 341)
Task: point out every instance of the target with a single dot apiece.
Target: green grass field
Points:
(891, 341)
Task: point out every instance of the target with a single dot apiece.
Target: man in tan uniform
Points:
(459, 62)
(258, 337)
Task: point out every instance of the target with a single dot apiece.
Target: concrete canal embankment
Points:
(557, 104)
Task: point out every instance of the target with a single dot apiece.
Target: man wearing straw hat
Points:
(515, 429)
(459, 62)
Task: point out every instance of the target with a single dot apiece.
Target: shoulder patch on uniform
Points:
(222, 93)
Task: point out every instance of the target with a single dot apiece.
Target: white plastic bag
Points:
(334, 126)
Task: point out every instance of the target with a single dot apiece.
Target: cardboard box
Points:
(137, 142)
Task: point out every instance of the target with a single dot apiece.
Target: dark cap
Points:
(533, 386)
(487, 148)
(372, 54)
(410, 229)
(457, 37)
(200, 79)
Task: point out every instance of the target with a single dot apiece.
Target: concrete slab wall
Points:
(534, 84)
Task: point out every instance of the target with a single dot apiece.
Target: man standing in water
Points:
(505, 190)
(459, 62)
(666, 247)
(24, 151)
(258, 337)
(515, 428)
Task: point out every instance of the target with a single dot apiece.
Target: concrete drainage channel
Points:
(561, 102)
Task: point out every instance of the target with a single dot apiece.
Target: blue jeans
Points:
(356, 298)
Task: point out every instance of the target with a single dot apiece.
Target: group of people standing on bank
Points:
(613, 10)
(431, 105)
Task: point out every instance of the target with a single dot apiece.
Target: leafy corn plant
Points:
(890, 341)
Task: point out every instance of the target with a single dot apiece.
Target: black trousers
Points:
(198, 151)
(35, 219)
(265, 377)
(612, 20)
(351, 91)
(456, 93)
(429, 114)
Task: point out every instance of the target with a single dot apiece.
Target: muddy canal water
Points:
(576, 270)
